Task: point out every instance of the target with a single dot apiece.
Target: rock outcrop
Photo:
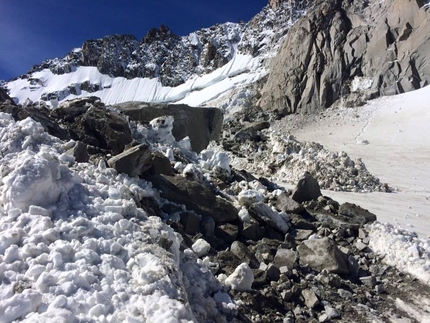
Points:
(200, 125)
(338, 43)
(89, 121)
(4, 97)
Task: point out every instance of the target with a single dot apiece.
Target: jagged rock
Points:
(307, 189)
(40, 115)
(337, 41)
(299, 222)
(287, 204)
(80, 152)
(311, 299)
(252, 231)
(195, 197)
(264, 214)
(207, 227)
(346, 295)
(133, 162)
(299, 234)
(200, 125)
(356, 213)
(369, 281)
(251, 131)
(160, 164)
(89, 121)
(246, 256)
(4, 97)
(273, 273)
(285, 258)
(321, 254)
(190, 221)
(227, 233)
(227, 261)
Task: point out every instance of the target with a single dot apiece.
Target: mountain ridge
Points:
(170, 59)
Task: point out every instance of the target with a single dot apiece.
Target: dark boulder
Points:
(88, 120)
(195, 197)
(307, 189)
(200, 125)
(133, 162)
(80, 152)
(356, 214)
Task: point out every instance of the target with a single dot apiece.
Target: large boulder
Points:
(133, 162)
(201, 125)
(195, 197)
(307, 189)
(321, 254)
(338, 43)
(356, 214)
(88, 120)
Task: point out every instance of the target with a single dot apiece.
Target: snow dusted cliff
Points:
(163, 67)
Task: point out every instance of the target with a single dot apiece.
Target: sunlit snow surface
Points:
(75, 247)
(241, 70)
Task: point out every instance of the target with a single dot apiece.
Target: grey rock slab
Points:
(287, 204)
(242, 252)
(321, 254)
(194, 196)
(356, 213)
(285, 258)
(311, 299)
(133, 162)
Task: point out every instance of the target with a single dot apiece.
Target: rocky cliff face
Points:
(340, 43)
(174, 59)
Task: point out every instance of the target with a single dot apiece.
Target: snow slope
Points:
(241, 70)
(392, 137)
(397, 151)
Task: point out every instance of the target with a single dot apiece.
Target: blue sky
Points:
(34, 30)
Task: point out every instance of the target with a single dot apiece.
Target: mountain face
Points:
(162, 60)
(315, 54)
(339, 44)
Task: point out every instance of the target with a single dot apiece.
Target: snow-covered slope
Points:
(242, 69)
(163, 67)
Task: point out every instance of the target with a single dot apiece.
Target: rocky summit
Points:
(112, 207)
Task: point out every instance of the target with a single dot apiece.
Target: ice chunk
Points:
(241, 279)
(249, 197)
(36, 181)
(201, 247)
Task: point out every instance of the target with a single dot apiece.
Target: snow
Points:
(74, 246)
(240, 70)
(201, 247)
(241, 279)
(398, 135)
(249, 197)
